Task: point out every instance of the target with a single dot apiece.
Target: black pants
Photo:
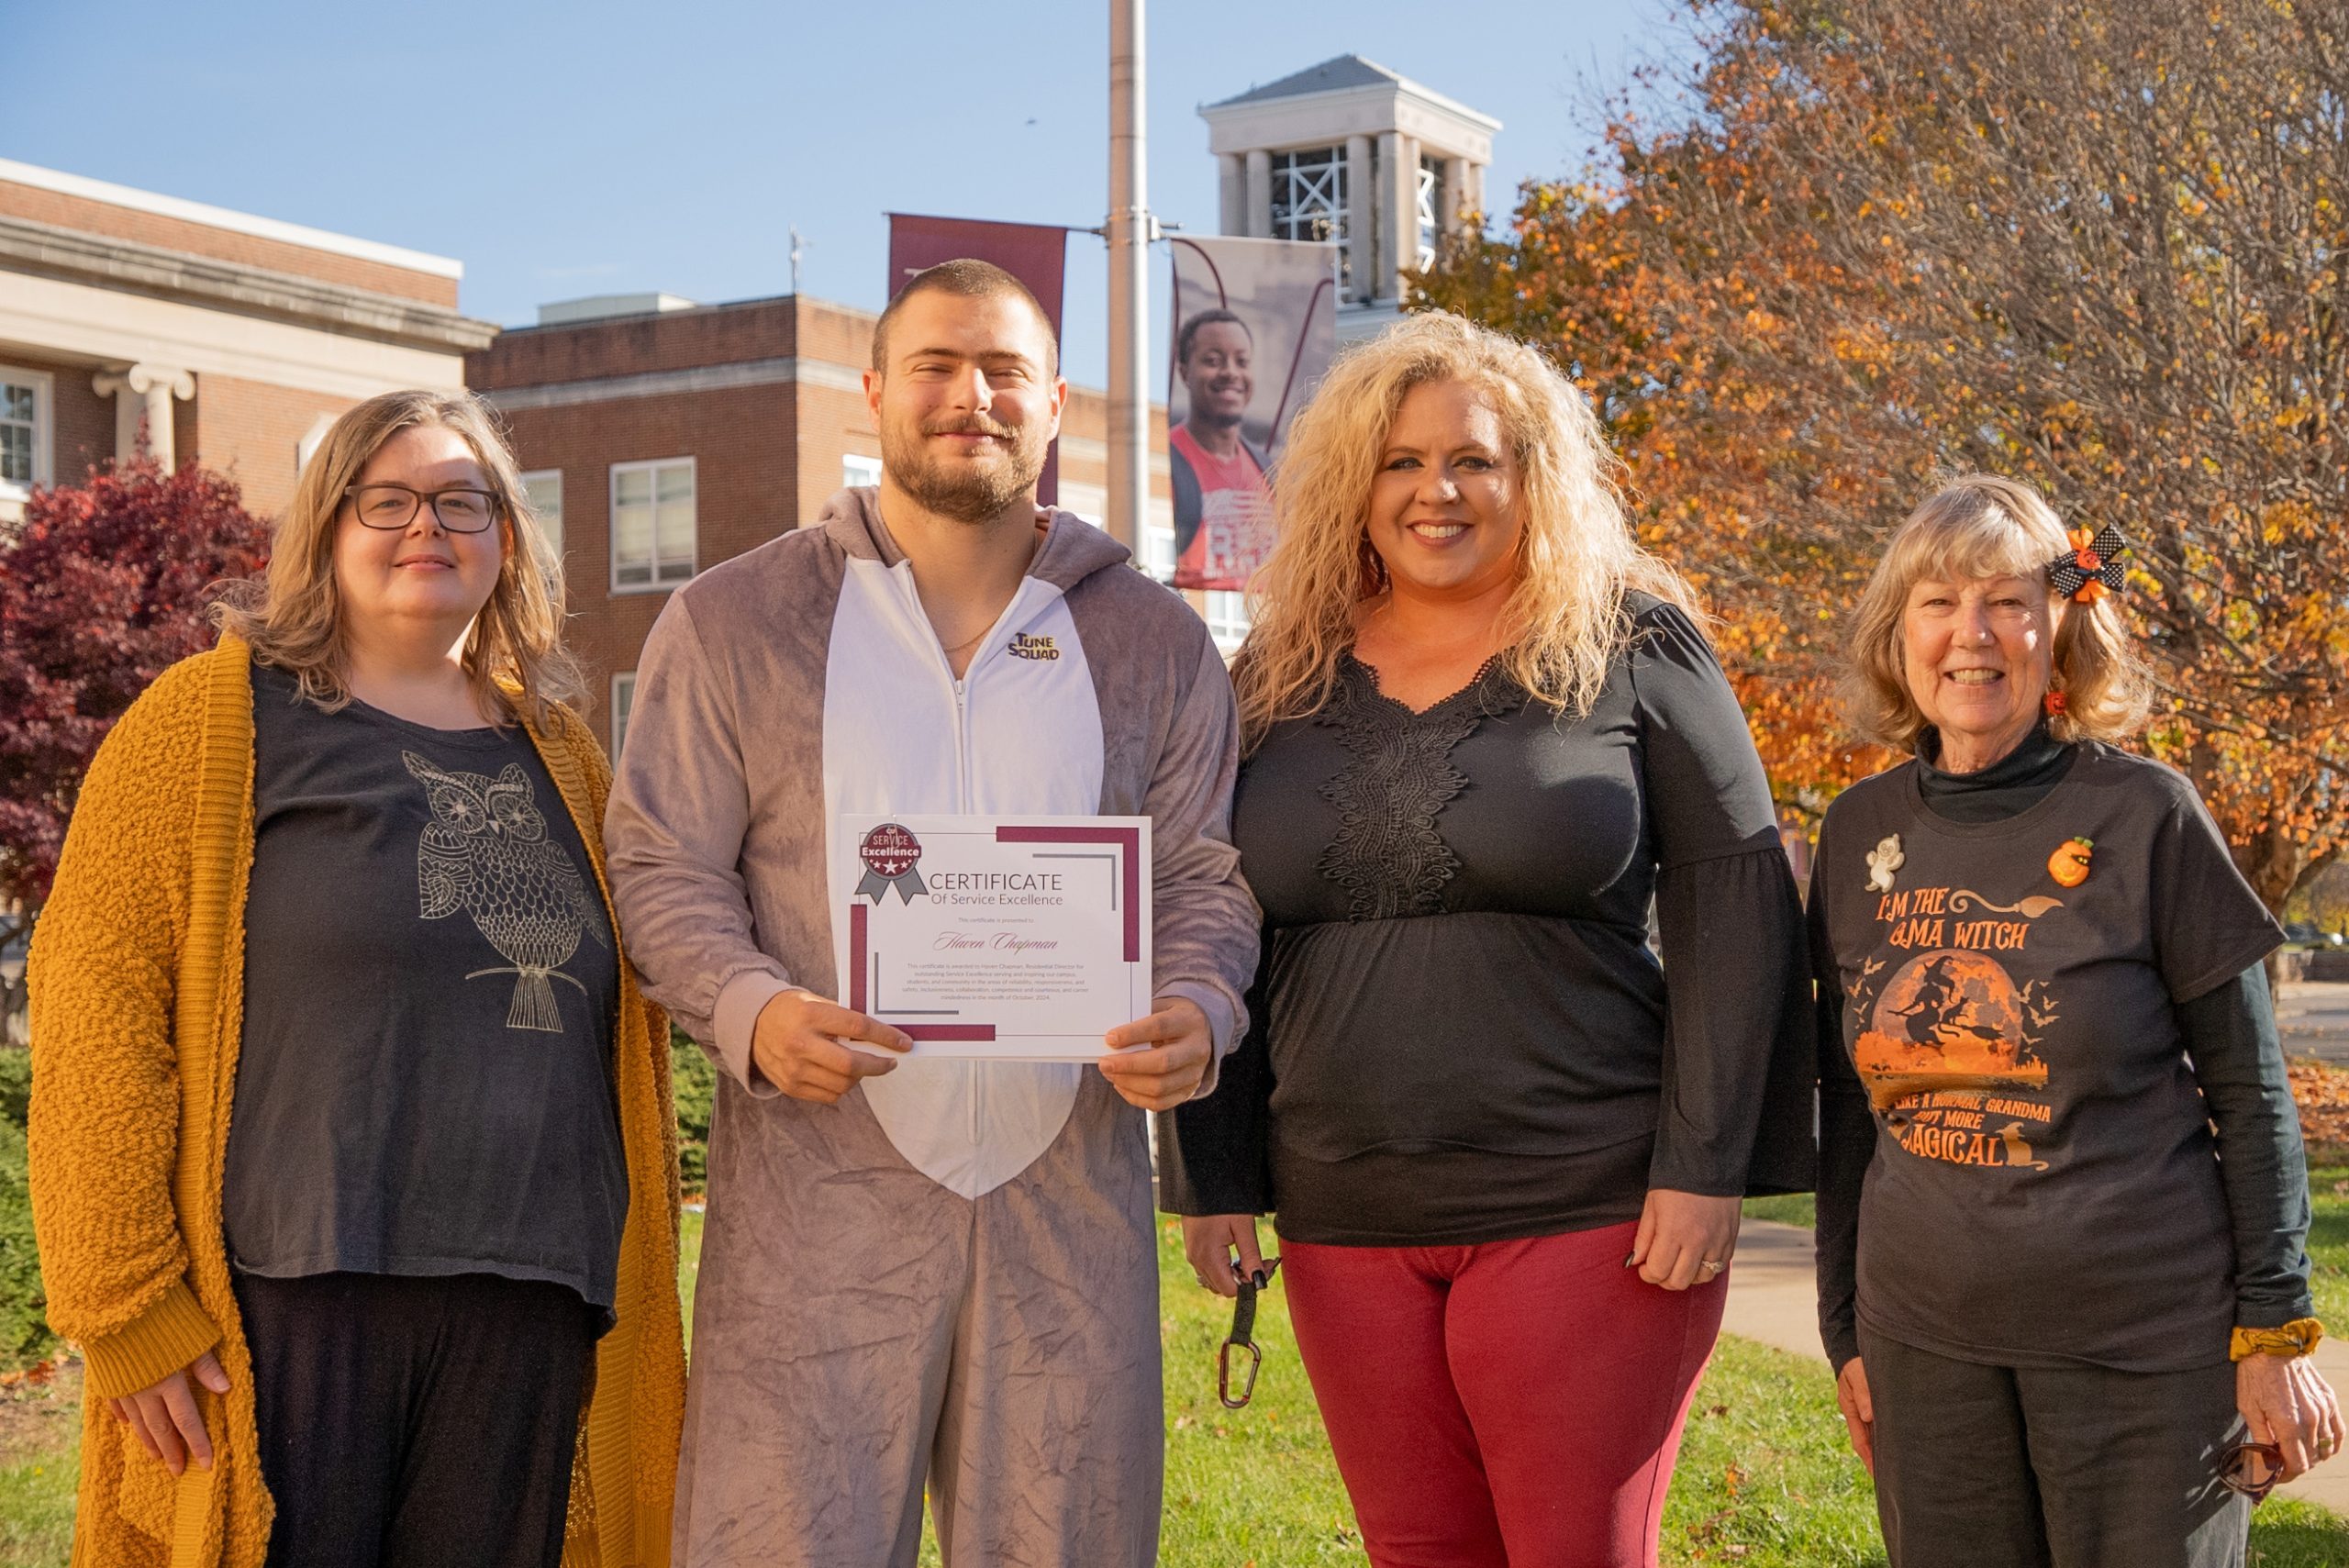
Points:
(416, 1423)
(2071, 1467)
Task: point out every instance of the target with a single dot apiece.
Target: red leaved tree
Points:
(103, 586)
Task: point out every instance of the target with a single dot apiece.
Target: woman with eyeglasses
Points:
(352, 1155)
(2061, 1197)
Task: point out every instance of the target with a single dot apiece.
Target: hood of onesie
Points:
(1074, 549)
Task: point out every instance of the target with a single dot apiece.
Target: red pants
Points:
(1507, 1404)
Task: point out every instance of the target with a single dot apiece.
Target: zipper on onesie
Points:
(977, 1087)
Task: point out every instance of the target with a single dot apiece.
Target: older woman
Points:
(1506, 1149)
(351, 1153)
(2036, 1254)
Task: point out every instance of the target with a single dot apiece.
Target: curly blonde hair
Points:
(1980, 526)
(291, 617)
(1577, 557)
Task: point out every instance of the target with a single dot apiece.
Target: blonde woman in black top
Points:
(1505, 1148)
(2040, 993)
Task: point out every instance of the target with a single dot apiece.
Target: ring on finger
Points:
(1709, 1268)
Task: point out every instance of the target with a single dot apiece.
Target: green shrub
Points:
(696, 1082)
(16, 1083)
(24, 1327)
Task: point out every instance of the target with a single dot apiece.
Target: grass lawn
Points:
(1764, 1479)
(2329, 1243)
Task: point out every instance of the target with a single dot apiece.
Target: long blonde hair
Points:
(1975, 527)
(1578, 558)
(293, 615)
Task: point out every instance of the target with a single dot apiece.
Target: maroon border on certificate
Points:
(1129, 840)
(858, 999)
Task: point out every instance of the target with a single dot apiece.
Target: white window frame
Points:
(1226, 618)
(552, 529)
(1158, 540)
(856, 469)
(658, 584)
(14, 494)
(1430, 221)
(623, 702)
(1309, 194)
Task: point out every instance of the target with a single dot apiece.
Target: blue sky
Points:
(592, 148)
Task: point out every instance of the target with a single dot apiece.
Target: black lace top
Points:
(1461, 1033)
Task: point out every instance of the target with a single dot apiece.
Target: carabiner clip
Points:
(1223, 1373)
(1243, 1326)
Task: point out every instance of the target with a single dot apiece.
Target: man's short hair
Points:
(1205, 318)
(968, 279)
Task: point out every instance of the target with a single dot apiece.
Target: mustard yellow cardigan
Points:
(137, 995)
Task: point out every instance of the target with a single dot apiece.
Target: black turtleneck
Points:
(2013, 783)
(2230, 1035)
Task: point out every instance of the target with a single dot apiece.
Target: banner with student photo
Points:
(1254, 325)
(1035, 253)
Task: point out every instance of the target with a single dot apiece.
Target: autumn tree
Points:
(103, 585)
(2099, 247)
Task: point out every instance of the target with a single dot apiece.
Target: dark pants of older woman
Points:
(2038, 1467)
(1507, 1405)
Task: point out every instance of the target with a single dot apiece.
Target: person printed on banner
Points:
(2063, 1202)
(1222, 511)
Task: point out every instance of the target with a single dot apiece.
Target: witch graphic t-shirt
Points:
(2045, 1186)
(423, 1084)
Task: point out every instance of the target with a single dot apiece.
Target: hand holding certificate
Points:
(990, 937)
(1012, 940)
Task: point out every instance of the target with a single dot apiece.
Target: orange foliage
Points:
(2103, 252)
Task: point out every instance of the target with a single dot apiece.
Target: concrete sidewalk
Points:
(2313, 1017)
(1773, 1297)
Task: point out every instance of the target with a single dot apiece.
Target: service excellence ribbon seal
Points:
(891, 857)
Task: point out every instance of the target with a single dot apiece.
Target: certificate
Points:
(1004, 937)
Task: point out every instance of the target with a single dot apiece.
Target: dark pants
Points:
(416, 1423)
(2070, 1467)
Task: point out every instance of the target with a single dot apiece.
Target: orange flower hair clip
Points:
(2090, 572)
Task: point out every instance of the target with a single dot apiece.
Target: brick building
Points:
(660, 437)
(127, 316)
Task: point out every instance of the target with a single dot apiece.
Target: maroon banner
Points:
(1035, 253)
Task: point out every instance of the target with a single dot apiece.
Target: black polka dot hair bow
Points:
(2088, 571)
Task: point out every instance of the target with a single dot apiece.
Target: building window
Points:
(1309, 194)
(653, 524)
(623, 698)
(544, 488)
(1158, 540)
(1430, 205)
(25, 410)
(1227, 619)
(856, 469)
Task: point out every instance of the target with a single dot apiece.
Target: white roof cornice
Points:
(221, 217)
(1317, 119)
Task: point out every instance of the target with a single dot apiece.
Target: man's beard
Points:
(968, 493)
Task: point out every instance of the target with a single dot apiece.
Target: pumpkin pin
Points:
(2069, 865)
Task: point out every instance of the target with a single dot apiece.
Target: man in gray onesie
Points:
(915, 1268)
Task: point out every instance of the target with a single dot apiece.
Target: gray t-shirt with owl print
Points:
(430, 990)
(2045, 1187)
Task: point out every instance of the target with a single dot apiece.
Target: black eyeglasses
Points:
(393, 506)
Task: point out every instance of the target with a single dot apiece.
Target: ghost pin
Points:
(1883, 860)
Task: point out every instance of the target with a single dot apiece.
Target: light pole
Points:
(1130, 228)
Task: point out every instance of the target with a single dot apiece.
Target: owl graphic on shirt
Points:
(487, 853)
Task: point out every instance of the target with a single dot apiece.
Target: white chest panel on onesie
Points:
(1020, 734)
